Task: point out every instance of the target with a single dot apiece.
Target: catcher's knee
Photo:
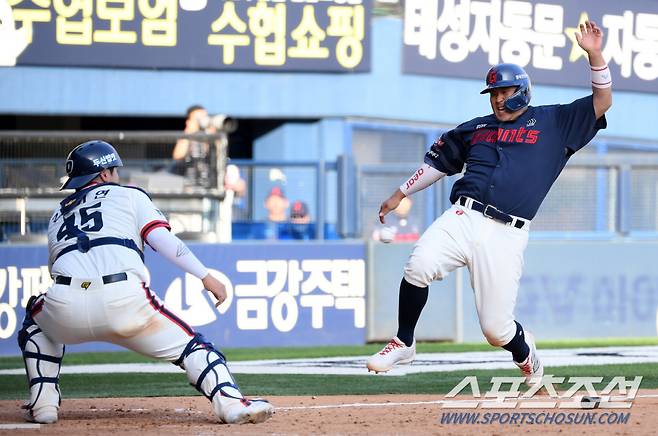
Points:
(43, 360)
(207, 370)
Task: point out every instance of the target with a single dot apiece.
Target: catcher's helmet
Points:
(503, 75)
(87, 160)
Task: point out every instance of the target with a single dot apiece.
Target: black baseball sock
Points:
(517, 346)
(412, 301)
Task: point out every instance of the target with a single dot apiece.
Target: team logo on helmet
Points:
(69, 166)
(491, 77)
(508, 75)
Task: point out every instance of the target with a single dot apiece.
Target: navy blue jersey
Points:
(512, 165)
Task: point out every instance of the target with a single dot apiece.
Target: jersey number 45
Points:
(89, 222)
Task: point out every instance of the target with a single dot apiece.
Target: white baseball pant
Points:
(493, 253)
(125, 313)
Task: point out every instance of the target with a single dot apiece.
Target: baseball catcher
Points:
(96, 240)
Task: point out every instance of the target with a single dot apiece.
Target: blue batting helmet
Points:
(87, 160)
(503, 75)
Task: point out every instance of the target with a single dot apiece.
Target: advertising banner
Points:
(463, 38)
(278, 35)
(278, 294)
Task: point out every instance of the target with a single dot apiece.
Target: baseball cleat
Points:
(43, 415)
(394, 353)
(244, 411)
(531, 367)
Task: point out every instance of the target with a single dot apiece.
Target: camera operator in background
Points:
(193, 159)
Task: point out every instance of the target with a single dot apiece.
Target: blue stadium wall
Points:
(331, 293)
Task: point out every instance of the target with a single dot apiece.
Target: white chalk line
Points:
(327, 406)
(121, 409)
(369, 405)
(291, 408)
(295, 408)
(419, 403)
(19, 426)
(340, 406)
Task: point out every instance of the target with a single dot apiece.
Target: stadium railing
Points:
(32, 170)
(598, 196)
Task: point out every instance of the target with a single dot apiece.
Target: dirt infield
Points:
(355, 414)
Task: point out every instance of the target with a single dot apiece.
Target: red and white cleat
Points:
(394, 353)
(242, 411)
(531, 367)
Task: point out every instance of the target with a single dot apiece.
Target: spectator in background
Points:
(192, 158)
(233, 181)
(406, 230)
(235, 188)
(299, 213)
(300, 221)
(232, 204)
(276, 204)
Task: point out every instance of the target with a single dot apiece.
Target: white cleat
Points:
(43, 415)
(531, 367)
(394, 353)
(234, 411)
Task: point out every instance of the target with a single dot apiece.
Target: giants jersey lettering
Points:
(506, 135)
(109, 211)
(512, 165)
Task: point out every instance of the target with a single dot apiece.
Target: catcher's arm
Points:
(175, 250)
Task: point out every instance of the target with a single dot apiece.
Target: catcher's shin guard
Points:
(207, 371)
(43, 359)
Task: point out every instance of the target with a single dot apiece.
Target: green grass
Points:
(234, 354)
(127, 385)
(140, 385)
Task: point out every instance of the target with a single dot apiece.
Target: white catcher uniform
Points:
(125, 312)
(96, 241)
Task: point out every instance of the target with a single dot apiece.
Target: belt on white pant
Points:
(491, 212)
(110, 278)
